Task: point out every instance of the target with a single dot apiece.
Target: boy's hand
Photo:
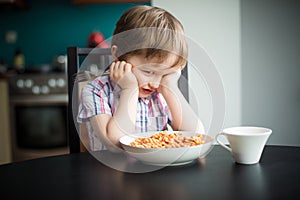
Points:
(170, 80)
(121, 73)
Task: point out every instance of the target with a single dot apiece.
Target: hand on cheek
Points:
(170, 80)
(121, 73)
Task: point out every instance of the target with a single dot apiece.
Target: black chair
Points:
(76, 58)
(76, 66)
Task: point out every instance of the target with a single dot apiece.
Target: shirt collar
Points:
(147, 100)
(144, 100)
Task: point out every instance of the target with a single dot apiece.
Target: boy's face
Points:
(150, 72)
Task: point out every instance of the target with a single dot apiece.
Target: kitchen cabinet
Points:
(5, 147)
(82, 2)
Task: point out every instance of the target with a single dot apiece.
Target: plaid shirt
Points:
(101, 96)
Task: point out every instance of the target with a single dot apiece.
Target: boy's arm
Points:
(183, 117)
(123, 120)
(111, 128)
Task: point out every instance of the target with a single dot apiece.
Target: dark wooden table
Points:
(81, 176)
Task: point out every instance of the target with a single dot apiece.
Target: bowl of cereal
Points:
(167, 148)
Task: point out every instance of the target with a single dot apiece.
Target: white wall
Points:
(214, 25)
(255, 46)
(271, 67)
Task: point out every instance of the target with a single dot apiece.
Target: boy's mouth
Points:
(147, 91)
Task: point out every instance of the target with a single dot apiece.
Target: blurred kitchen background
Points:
(253, 43)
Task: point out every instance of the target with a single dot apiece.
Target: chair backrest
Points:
(99, 59)
(76, 65)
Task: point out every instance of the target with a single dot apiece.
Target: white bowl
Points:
(167, 156)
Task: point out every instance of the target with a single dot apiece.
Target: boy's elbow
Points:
(113, 144)
(114, 149)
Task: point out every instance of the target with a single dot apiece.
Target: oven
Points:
(38, 115)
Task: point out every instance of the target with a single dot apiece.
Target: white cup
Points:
(246, 143)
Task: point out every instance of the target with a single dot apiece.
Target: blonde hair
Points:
(152, 32)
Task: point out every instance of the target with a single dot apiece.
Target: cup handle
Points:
(221, 143)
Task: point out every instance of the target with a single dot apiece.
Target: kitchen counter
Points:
(7, 74)
(4, 76)
(81, 176)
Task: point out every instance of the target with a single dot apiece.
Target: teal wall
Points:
(48, 27)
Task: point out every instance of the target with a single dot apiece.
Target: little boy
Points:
(141, 94)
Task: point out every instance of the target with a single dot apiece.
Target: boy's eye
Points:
(148, 72)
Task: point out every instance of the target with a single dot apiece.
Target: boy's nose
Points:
(155, 82)
(154, 85)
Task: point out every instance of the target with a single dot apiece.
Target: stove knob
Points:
(20, 83)
(45, 89)
(60, 82)
(28, 83)
(35, 89)
(52, 82)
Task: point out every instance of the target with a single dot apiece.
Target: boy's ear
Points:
(114, 52)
